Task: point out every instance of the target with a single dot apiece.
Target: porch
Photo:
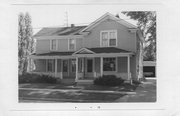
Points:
(90, 65)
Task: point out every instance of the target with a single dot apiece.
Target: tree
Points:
(147, 24)
(25, 41)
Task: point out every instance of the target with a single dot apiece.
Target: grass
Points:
(69, 96)
(123, 87)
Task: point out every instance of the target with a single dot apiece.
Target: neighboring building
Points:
(149, 69)
(108, 46)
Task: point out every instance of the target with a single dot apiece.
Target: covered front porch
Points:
(90, 65)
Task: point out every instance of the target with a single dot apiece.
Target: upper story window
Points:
(108, 38)
(53, 44)
(72, 44)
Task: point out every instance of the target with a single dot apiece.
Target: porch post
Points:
(76, 69)
(101, 66)
(61, 68)
(128, 67)
(55, 67)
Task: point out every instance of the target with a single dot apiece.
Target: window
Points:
(73, 65)
(112, 39)
(104, 39)
(53, 45)
(109, 64)
(108, 38)
(65, 65)
(72, 44)
(50, 65)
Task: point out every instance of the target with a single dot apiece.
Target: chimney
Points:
(72, 25)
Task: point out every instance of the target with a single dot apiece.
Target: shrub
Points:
(35, 78)
(136, 82)
(108, 80)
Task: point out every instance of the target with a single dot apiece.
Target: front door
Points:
(89, 69)
(72, 73)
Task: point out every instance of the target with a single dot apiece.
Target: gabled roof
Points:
(108, 16)
(76, 30)
(58, 31)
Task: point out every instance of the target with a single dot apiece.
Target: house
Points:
(107, 46)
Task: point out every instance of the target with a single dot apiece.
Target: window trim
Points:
(115, 64)
(69, 44)
(108, 31)
(51, 44)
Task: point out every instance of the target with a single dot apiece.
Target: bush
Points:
(35, 78)
(136, 82)
(108, 80)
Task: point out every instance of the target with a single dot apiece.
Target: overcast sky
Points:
(55, 15)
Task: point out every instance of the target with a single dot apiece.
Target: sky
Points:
(57, 15)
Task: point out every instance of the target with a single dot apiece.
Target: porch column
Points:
(61, 69)
(76, 69)
(128, 67)
(55, 67)
(101, 66)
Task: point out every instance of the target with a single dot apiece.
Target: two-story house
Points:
(107, 46)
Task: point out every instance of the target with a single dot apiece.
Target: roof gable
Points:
(105, 17)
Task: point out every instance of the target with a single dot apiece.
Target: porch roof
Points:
(55, 54)
(108, 50)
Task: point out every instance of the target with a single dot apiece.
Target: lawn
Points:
(123, 87)
(71, 96)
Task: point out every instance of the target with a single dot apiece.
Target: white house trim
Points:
(79, 51)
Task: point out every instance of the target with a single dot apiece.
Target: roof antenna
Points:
(66, 19)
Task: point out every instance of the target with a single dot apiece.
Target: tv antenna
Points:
(66, 19)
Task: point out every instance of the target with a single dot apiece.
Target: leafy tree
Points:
(25, 41)
(147, 24)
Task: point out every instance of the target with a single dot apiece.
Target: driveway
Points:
(146, 92)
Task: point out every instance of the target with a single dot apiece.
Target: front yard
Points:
(87, 93)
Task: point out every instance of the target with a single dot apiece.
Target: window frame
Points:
(52, 65)
(108, 31)
(69, 44)
(115, 64)
(56, 43)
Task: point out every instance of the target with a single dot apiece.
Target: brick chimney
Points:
(72, 25)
